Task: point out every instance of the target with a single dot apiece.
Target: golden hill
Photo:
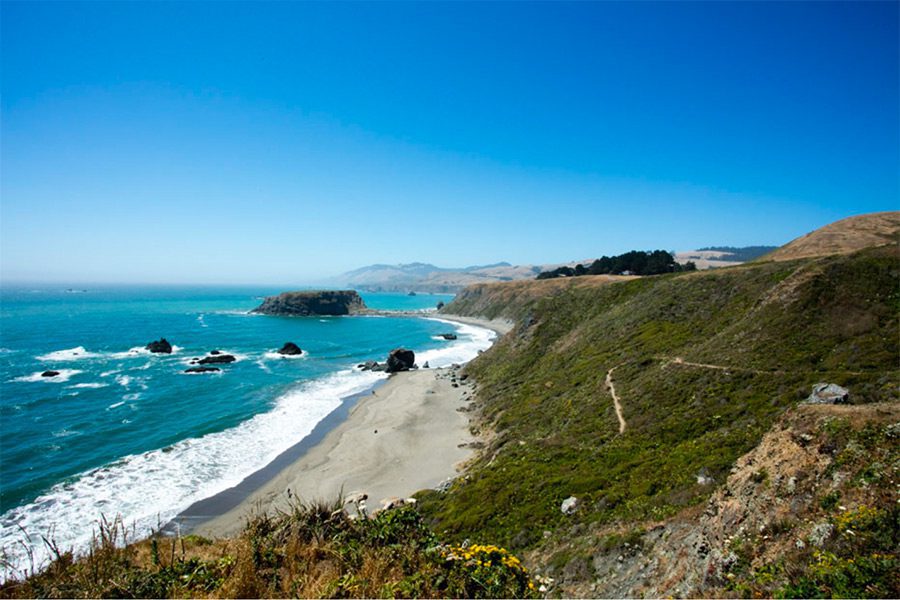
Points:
(843, 237)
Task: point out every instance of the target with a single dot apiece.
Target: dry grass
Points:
(843, 237)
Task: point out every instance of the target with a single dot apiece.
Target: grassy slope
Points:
(553, 429)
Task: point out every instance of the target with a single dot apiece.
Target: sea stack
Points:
(314, 303)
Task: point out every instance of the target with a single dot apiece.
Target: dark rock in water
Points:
(304, 304)
(411, 294)
(216, 360)
(440, 305)
(829, 393)
(425, 366)
(290, 349)
(214, 352)
(202, 369)
(49, 373)
(371, 365)
(448, 336)
(160, 347)
(400, 359)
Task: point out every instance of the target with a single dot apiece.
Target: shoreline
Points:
(408, 433)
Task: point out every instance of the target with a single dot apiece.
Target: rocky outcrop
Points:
(49, 373)
(290, 349)
(305, 304)
(161, 346)
(448, 336)
(400, 359)
(372, 365)
(202, 370)
(217, 359)
(829, 393)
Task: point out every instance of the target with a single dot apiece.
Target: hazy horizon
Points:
(271, 143)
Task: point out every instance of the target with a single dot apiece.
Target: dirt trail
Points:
(680, 361)
(616, 404)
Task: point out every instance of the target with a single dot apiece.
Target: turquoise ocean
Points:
(123, 432)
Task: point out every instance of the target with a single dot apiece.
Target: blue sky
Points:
(281, 142)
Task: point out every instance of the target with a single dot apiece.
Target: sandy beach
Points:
(405, 436)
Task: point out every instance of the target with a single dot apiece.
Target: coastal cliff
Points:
(311, 303)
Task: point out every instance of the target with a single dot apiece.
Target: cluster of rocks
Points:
(215, 357)
(399, 359)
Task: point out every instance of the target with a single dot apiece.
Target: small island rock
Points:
(216, 360)
(304, 304)
(162, 346)
(290, 349)
(202, 370)
(49, 373)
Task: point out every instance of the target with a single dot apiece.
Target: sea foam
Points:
(470, 341)
(153, 487)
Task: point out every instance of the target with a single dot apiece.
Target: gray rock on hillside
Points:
(829, 393)
(400, 359)
(305, 304)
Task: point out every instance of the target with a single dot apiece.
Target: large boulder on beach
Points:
(305, 304)
(290, 349)
(161, 346)
(216, 359)
(400, 359)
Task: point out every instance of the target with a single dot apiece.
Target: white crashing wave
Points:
(90, 386)
(63, 376)
(153, 487)
(470, 341)
(76, 353)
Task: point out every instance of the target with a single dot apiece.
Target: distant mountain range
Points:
(425, 277)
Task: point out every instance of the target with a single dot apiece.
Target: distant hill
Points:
(843, 237)
(712, 257)
(424, 277)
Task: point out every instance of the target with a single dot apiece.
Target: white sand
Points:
(403, 438)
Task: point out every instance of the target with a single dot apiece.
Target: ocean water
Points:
(121, 431)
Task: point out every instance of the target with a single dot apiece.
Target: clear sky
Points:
(281, 142)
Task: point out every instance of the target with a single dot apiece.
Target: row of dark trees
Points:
(636, 262)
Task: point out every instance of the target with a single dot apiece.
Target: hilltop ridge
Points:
(843, 237)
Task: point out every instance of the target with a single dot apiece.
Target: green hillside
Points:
(776, 328)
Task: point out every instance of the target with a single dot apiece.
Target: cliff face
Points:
(304, 304)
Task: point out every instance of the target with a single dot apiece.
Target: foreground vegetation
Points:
(313, 551)
(705, 364)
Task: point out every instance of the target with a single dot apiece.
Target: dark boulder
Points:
(448, 336)
(440, 305)
(162, 346)
(216, 360)
(202, 369)
(400, 359)
(214, 352)
(290, 349)
(49, 373)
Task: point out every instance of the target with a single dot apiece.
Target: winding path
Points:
(616, 404)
